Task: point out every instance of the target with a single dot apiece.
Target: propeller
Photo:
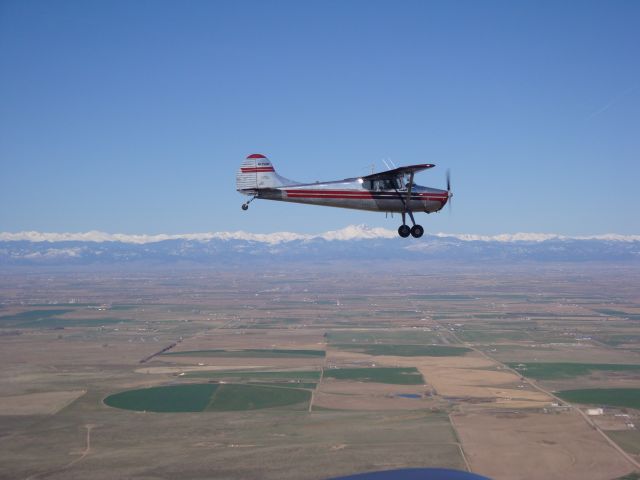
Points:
(449, 194)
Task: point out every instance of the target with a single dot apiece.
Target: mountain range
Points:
(355, 242)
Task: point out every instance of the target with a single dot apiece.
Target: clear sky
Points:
(133, 116)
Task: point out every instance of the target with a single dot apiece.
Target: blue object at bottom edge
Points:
(415, 474)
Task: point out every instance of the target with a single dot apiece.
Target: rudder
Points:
(257, 172)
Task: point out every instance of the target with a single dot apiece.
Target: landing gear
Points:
(404, 231)
(245, 206)
(417, 231)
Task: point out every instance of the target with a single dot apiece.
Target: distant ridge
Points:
(351, 232)
(355, 243)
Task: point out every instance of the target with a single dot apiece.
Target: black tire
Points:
(417, 231)
(404, 231)
(245, 206)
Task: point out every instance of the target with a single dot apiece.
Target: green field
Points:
(435, 297)
(252, 397)
(406, 350)
(174, 398)
(629, 440)
(615, 397)
(618, 313)
(629, 476)
(69, 323)
(553, 371)
(249, 352)
(49, 319)
(405, 337)
(313, 375)
(30, 316)
(206, 397)
(396, 313)
(398, 376)
(491, 336)
(123, 307)
(618, 339)
(307, 385)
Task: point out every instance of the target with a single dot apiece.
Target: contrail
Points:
(610, 104)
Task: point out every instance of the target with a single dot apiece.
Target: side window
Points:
(389, 184)
(383, 184)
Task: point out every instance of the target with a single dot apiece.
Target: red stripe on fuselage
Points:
(364, 196)
(257, 169)
(308, 195)
(361, 194)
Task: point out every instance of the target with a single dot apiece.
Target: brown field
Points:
(266, 339)
(46, 403)
(534, 445)
(248, 362)
(349, 395)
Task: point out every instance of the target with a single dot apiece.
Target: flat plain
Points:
(318, 372)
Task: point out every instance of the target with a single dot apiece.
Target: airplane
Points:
(390, 191)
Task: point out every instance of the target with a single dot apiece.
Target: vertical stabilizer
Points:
(257, 172)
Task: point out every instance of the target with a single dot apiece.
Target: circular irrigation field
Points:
(207, 397)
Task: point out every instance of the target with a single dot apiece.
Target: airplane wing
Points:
(398, 172)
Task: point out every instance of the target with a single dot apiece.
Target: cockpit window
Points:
(383, 184)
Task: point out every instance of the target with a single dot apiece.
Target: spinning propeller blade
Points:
(449, 194)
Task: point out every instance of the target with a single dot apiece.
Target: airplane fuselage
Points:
(353, 193)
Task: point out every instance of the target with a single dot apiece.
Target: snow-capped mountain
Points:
(355, 242)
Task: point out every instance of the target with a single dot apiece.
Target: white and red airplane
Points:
(390, 191)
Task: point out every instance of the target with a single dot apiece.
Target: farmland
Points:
(613, 397)
(558, 370)
(405, 350)
(250, 353)
(206, 397)
(291, 375)
(233, 375)
(399, 376)
(175, 398)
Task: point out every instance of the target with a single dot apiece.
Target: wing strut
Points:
(409, 188)
(405, 203)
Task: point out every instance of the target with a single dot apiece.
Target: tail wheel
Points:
(417, 231)
(245, 206)
(404, 231)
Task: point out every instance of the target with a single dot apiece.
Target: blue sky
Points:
(133, 116)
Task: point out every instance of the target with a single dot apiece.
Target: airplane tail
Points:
(257, 172)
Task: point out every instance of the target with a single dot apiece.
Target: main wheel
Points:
(417, 231)
(245, 206)
(404, 231)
